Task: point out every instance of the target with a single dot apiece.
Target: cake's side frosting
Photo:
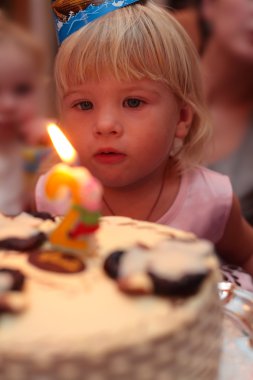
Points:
(83, 323)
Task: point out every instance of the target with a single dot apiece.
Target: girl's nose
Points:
(108, 124)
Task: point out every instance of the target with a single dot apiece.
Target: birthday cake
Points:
(145, 306)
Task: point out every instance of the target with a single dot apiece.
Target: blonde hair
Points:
(135, 42)
(12, 33)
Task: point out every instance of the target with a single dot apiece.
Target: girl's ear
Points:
(185, 121)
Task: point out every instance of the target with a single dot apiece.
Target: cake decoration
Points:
(20, 233)
(75, 233)
(161, 271)
(53, 261)
(137, 284)
(23, 244)
(42, 215)
(12, 299)
(184, 287)
(112, 263)
(71, 15)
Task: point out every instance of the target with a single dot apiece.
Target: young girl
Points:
(131, 103)
(22, 71)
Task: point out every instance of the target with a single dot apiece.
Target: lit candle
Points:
(62, 145)
(75, 233)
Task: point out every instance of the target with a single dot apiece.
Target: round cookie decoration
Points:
(23, 244)
(55, 261)
(22, 233)
(161, 271)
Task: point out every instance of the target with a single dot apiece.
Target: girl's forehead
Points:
(16, 67)
(12, 52)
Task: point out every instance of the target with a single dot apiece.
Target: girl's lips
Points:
(109, 157)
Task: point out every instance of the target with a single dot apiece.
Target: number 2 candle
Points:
(75, 233)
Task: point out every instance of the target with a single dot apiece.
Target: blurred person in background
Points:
(227, 64)
(22, 76)
(187, 13)
(225, 44)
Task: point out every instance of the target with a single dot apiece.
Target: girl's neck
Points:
(148, 199)
(227, 79)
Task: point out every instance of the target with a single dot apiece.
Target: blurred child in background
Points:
(227, 66)
(187, 13)
(22, 75)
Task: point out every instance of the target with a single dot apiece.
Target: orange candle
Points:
(75, 233)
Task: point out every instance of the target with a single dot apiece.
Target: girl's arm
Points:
(236, 245)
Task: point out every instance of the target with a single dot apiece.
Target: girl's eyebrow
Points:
(73, 93)
(141, 89)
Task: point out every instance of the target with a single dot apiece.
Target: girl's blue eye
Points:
(85, 105)
(132, 102)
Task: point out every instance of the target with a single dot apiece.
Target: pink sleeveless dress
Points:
(202, 205)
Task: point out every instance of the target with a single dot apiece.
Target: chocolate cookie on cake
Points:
(22, 233)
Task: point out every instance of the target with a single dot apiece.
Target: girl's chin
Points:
(113, 184)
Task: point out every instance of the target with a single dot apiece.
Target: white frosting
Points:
(23, 226)
(170, 259)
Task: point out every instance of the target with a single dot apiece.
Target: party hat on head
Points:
(71, 15)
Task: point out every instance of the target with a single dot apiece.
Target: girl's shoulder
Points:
(203, 203)
(201, 177)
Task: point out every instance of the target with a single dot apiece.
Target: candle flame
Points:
(62, 146)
